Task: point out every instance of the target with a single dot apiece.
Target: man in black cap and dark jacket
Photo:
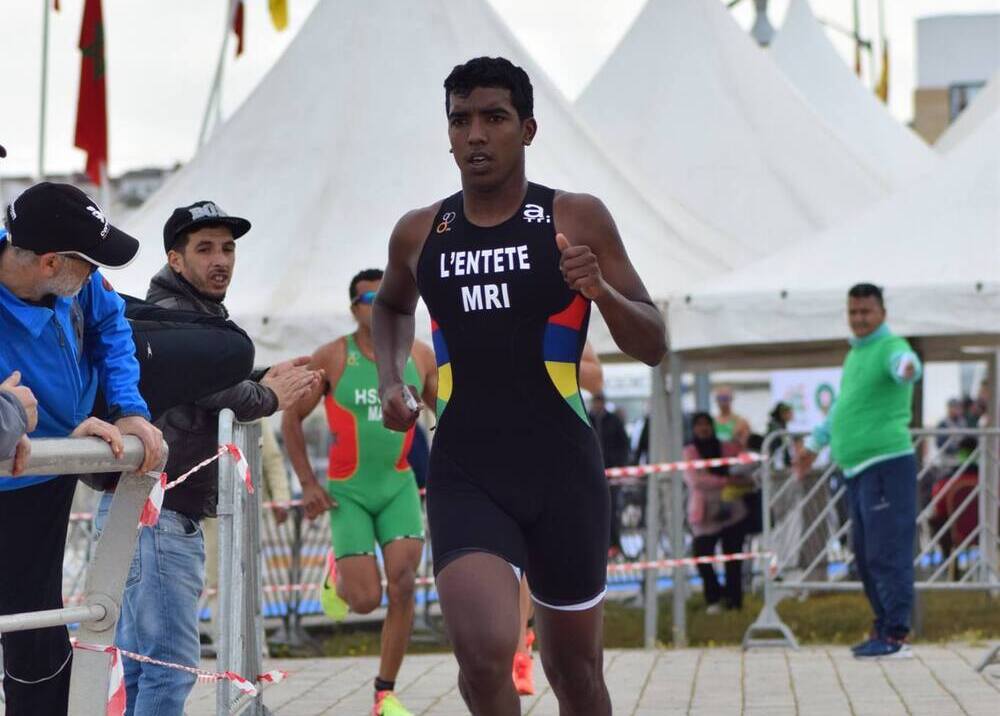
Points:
(160, 614)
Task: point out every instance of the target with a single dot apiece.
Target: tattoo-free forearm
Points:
(295, 446)
(393, 333)
(636, 326)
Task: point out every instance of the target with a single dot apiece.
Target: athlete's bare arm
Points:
(331, 358)
(392, 315)
(591, 372)
(594, 262)
(423, 358)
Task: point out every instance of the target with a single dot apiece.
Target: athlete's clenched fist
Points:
(400, 407)
(580, 269)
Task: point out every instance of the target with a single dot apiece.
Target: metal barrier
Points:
(109, 566)
(806, 524)
(240, 622)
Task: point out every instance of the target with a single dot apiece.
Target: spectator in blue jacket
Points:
(63, 328)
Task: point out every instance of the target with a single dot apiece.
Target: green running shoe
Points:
(386, 704)
(333, 604)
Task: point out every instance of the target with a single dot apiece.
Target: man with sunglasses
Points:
(63, 329)
(371, 490)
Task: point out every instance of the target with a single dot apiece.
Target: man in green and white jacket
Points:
(868, 434)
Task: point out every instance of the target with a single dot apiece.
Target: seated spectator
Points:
(954, 420)
(953, 491)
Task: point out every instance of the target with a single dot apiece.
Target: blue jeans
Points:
(160, 612)
(883, 503)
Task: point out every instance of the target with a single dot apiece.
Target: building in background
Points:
(956, 55)
(128, 191)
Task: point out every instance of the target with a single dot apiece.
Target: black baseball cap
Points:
(59, 218)
(199, 215)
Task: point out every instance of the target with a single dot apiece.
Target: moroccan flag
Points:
(279, 13)
(92, 105)
(238, 26)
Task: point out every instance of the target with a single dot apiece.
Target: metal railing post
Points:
(677, 506)
(657, 438)
(228, 599)
(768, 620)
(109, 567)
(240, 589)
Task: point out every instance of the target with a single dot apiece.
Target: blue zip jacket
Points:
(64, 353)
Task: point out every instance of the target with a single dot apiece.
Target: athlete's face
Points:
(207, 261)
(361, 306)
(487, 136)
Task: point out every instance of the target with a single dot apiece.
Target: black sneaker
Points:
(872, 636)
(886, 648)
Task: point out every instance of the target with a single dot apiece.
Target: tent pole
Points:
(677, 507)
(216, 89)
(703, 392)
(44, 90)
(658, 432)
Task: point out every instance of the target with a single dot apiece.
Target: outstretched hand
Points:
(580, 269)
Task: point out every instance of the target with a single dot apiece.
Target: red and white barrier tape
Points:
(154, 503)
(747, 458)
(612, 569)
(618, 475)
(116, 693)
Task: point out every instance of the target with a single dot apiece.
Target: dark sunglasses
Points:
(367, 298)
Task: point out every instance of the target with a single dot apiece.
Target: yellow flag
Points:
(279, 13)
(882, 88)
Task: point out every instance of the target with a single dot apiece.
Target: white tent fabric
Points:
(804, 53)
(934, 246)
(698, 112)
(345, 134)
(982, 107)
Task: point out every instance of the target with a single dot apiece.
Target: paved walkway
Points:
(816, 681)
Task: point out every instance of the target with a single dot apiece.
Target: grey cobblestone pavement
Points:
(816, 681)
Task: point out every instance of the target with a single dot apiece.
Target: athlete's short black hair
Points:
(867, 290)
(365, 275)
(492, 72)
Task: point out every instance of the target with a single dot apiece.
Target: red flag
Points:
(92, 106)
(238, 27)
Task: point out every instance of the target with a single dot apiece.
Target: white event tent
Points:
(346, 133)
(699, 113)
(934, 246)
(804, 53)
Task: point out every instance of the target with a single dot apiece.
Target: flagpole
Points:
(105, 190)
(857, 39)
(44, 90)
(213, 95)
(883, 85)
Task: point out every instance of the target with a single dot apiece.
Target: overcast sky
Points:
(162, 55)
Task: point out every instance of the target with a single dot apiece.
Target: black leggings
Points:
(732, 541)
(33, 523)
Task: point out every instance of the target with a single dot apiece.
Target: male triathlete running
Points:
(508, 270)
(371, 492)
